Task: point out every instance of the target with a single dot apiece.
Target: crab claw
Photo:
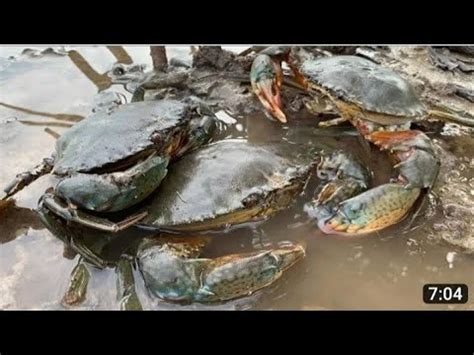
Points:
(370, 211)
(170, 276)
(266, 78)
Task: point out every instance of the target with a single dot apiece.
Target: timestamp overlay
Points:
(445, 293)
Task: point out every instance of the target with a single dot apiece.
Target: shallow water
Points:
(380, 271)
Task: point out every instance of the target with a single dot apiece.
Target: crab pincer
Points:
(381, 105)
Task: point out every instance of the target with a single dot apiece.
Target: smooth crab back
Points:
(360, 81)
(103, 138)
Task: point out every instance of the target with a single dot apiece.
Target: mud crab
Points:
(203, 192)
(113, 160)
(381, 105)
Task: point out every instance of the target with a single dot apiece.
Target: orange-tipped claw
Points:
(300, 79)
(266, 78)
(269, 96)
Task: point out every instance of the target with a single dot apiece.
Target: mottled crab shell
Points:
(362, 82)
(106, 138)
(224, 178)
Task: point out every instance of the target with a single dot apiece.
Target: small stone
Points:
(450, 258)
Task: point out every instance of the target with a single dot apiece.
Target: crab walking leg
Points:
(126, 293)
(332, 122)
(418, 164)
(464, 120)
(172, 277)
(24, 179)
(77, 288)
(387, 204)
(62, 231)
(74, 215)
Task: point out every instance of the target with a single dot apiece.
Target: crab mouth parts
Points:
(369, 127)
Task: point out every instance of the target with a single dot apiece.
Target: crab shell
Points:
(227, 183)
(107, 138)
(369, 86)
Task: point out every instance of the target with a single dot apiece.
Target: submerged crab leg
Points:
(75, 215)
(26, 178)
(387, 204)
(126, 293)
(174, 277)
(80, 276)
(77, 288)
(63, 232)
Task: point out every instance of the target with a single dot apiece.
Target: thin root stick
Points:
(46, 123)
(54, 134)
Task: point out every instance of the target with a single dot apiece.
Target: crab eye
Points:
(119, 71)
(322, 175)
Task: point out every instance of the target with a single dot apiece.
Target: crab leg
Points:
(62, 232)
(126, 293)
(72, 214)
(343, 178)
(332, 122)
(77, 288)
(24, 179)
(174, 277)
(80, 276)
(387, 204)
(451, 115)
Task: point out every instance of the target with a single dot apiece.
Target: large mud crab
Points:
(202, 192)
(381, 105)
(113, 160)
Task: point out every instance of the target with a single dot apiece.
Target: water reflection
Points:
(15, 221)
(101, 81)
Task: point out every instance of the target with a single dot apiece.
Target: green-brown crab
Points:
(113, 160)
(227, 183)
(381, 105)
